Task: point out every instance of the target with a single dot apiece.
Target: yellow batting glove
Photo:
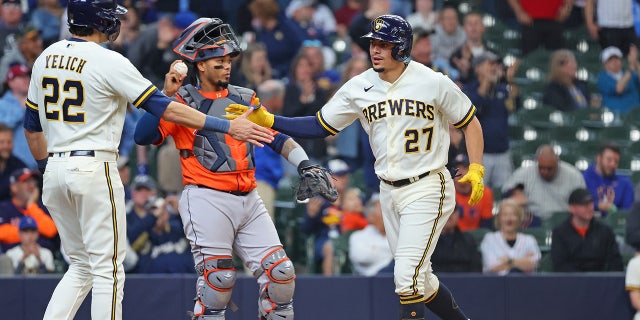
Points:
(474, 177)
(259, 116)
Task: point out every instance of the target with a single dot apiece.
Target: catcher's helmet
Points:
(96, 14)
(206, 38)
(393, 29)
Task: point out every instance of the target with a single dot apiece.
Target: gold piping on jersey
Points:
(31, 105)
(414, 298)
(433, 231)
(326, 126)
(145, 94)
(467, 118)
(114, 259)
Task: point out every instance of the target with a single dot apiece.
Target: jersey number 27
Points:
(69, 101)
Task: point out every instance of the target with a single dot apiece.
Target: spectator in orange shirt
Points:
(25, 201)
(479, 215)
(352, 208)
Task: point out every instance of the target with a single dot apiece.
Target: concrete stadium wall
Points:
(535, 297)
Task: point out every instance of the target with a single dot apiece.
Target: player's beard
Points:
(223, 84)
(378, 70)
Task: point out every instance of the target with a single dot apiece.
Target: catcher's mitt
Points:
(315, 181)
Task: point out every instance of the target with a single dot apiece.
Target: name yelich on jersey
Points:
(401, 107)
(62, 62)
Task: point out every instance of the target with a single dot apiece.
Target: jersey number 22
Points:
(69, 101)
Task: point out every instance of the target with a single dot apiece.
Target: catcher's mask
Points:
(207, 38)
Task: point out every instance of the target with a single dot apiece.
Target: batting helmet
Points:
(96, 14)
(393, 29)
(207, 38)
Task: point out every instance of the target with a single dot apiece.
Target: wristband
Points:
(42, 164)
(216, 124)
(297, 156)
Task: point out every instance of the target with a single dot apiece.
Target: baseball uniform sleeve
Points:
(339, 112)
(632, 278)
(127, 81)
(454, 104)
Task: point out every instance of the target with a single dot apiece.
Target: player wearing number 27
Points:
(405, 108)
(77, 101)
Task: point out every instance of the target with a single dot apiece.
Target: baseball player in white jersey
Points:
(77, 102)
(405, 108)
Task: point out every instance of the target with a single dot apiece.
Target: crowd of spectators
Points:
(296, 54)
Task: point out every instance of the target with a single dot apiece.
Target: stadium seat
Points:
(341, 262)
(594, 117)
(556, 219)
(542, 235)
(538, 117)
(545, 264)
(617, 221)
(623, 135)
(478, 234)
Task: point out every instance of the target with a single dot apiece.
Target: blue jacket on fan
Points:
(618, 186)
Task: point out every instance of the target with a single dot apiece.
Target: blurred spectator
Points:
(564, 91)
(352, 211)
(369, 250)
(518, 195)
(471, 217)
(610, 190)
(614, 25)
(582, 243)
(10, 23)
(344, 15)
(129, 31)
(169, 168)
(314, 17)
(632, 282)
(361, 23)
(12, 109)
(124, 171)
(632, 227)
(620, 88)
(507, 250)
(8, 161)
(131, 118)
(541, 22)
(29, 47)
(269, 163)
(456, 251)
(422, 52)
(320, 59)
(25, 202)
(29, 257)
(424, 18)
(303, 97)
(495, 100)
(347, 141)
(322, 218)
(254, 67)
(281, 36)
(449, 35)
(473, 47)
(547, 184)
(6, 265)
(154, 229)
(151, 52)
(46, 18)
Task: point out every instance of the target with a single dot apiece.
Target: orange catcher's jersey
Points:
(407, 121)
(242, 179)
(81, 91)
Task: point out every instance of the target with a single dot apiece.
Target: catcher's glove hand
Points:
(315, 181)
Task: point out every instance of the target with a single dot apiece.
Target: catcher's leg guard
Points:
(276, 296)
(217, 278)
(444, 306)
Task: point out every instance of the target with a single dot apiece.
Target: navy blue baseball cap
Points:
(28, 223)
(22, 174)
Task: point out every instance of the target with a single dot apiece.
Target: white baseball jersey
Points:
(632, 279)
(81, 92)
(407, 121)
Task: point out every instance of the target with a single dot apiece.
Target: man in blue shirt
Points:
(610, 191)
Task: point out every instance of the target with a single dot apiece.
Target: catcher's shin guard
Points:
(444, 306)
(217, 278)
(412, 311)
(276, 296)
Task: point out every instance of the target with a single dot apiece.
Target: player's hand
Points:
(173, 80)
(241, 128)
(474, 177)
(259, 116)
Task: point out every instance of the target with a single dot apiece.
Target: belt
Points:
(235, 193)
(74, 153)
(404, 182)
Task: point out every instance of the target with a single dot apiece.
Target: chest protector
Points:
(209, 147)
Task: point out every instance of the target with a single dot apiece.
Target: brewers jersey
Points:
(407, 121)
(81, 91)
